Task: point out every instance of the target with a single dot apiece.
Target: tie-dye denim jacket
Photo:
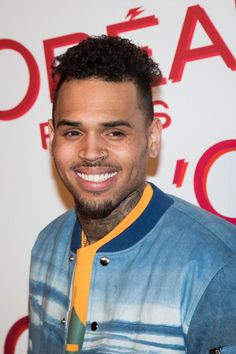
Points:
(166, 284)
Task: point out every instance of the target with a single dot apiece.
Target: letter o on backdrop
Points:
(34, 80)
(14, 333)
(202, 170)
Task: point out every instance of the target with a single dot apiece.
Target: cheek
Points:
(124, 155)
(135, 146)
(62, 154)
(131, 156)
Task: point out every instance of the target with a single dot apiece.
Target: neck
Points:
(95, 229)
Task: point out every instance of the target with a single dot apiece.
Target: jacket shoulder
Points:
(200, 221)
(58, 231)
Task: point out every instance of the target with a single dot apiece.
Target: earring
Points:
(155, 153)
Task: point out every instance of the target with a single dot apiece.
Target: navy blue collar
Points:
(157, 206)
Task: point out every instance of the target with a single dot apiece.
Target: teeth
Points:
(97, 178)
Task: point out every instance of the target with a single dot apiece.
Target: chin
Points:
(94, 210)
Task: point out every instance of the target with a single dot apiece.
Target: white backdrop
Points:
(194, 42)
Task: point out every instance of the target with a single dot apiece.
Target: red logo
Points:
(14, 333)
(202, 170)
(34, 80)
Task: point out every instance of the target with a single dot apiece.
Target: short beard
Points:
(93, 210)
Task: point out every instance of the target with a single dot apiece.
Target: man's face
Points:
(101, 143)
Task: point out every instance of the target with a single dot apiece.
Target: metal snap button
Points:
(104, 261)
(63, 321)
(94, 326)
(71, 258)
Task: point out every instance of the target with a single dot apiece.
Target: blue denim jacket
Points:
(169, 287)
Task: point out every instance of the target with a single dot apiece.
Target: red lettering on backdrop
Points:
(180, 171)
(44, 135)
(202, 170)
(49, 47)
(134, 24)
(34, 80)
(14, 333)
(183, 52)
(160, 115)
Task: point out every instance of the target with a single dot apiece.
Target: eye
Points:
(72, 133)
(116, 134)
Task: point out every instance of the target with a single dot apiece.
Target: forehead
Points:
(94, 96)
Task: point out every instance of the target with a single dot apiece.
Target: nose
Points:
(92, 148)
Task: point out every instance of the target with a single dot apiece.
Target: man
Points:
(130, 269)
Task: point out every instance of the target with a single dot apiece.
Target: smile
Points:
(96, 178)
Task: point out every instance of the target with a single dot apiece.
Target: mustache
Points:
(96, 164)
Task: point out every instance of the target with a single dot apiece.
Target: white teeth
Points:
(97, 178)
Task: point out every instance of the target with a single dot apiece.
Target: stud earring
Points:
(155, 154)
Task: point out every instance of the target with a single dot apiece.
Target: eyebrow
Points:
(116, 123)
(68, 122)
(110, 124)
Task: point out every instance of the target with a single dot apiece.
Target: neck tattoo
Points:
(95, 229)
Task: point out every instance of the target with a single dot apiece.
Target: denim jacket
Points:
(169, 286)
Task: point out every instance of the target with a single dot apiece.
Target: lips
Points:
(97, 178)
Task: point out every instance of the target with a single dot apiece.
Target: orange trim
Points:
(83, 272)
(72, 347)
(84, 261)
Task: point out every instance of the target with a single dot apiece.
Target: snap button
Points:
(71, 258)
(94, 326)
(104, 261)
(63, 321)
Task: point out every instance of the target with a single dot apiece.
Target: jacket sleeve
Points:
(213, 324)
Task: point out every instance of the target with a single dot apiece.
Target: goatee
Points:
(94, 210)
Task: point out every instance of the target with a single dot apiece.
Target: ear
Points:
(154, 138)
(51, 132)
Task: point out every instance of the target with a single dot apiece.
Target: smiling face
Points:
(101, 142)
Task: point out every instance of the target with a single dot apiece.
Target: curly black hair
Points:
(112, 59)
